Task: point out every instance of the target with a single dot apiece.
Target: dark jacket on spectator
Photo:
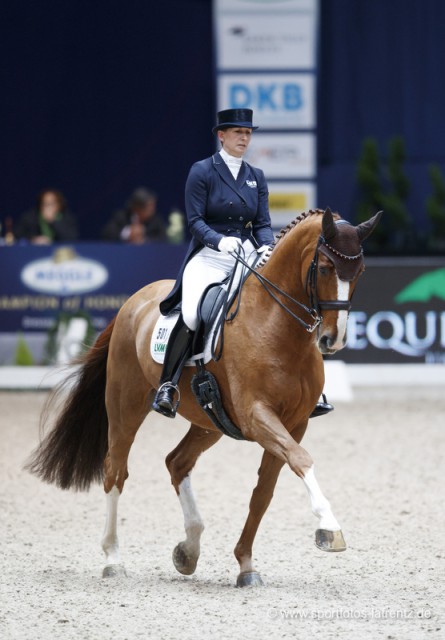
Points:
(154, 227)
(63, 229)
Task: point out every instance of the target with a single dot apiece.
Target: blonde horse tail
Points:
(72, 454)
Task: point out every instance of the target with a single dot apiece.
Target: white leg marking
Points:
(193, 524)
(320, 505)
(110, 543)
(342, 318)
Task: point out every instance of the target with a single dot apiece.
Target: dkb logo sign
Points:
(279, 101)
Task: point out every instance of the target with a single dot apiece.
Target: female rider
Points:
(226, 202)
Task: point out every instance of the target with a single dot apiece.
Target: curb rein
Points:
(316, 305)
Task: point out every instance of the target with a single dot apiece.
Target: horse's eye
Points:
(324, 271)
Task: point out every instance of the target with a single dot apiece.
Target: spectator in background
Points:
(50, 221)
(138, 222)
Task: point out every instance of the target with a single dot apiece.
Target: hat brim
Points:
(229, 125)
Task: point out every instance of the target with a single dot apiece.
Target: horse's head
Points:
(337, 264)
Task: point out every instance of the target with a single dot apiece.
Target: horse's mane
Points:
(284, 232)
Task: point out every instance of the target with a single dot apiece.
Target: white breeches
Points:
(205, 267)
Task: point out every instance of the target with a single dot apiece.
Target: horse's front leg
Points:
(262, 495)
(266, 428)
(329, 536)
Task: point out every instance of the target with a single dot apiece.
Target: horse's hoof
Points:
(249, 579)
(330, 540)
(184, 563)
(114, 571)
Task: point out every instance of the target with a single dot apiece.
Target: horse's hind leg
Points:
(126, 410)
(180, 463)
(110, 543)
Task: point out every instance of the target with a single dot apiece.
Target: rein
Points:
(269, 287)
(313, 311)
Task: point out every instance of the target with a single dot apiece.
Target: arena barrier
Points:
(396, 329)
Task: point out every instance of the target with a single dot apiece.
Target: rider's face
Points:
(235, 140)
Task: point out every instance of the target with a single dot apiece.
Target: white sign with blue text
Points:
(279, 100)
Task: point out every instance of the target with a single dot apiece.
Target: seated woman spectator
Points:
(50, 221)
(138, 222)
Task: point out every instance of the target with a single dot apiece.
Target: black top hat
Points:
(234, 118)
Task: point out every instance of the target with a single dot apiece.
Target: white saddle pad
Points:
(161, 335)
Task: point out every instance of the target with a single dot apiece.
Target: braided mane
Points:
(284, 232)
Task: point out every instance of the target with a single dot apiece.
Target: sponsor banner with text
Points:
(288, 199)
(43, 282)
(279, 100)
(284, 155)
(397, 316)
(266, 34)
(398, 313)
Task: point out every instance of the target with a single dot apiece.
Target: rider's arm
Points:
(196, 197)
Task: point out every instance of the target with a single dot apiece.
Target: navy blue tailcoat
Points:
(217, 205)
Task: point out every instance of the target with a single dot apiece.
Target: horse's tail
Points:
(72, 454)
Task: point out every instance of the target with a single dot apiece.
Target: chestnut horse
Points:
(294, 309)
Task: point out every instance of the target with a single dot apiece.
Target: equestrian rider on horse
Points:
(227, 207)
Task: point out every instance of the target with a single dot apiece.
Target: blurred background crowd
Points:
(136, 222)
(100, 98)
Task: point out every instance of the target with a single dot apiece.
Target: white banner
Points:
(279, 100)
(284, 155)
(266, 34)
(288, 199)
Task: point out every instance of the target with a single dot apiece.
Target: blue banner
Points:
(38, 283)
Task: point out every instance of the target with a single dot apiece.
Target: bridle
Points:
(316, 305)
(312, 274)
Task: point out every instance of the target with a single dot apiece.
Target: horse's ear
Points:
(366, 228)
(328, 225)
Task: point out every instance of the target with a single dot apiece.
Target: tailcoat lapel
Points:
(226, 175)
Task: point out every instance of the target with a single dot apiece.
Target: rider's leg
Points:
(206, 267)
(176, 354)
(203, 269)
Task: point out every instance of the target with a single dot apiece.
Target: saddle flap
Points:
(210, 306)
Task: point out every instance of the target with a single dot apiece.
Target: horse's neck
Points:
(285, 269)
(285, 266)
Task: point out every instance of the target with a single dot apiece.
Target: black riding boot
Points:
(176, 354)
(321, 408)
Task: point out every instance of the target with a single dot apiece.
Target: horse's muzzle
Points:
(328, 345)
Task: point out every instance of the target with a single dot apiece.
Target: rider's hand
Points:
(262, 249)
(229, 244)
